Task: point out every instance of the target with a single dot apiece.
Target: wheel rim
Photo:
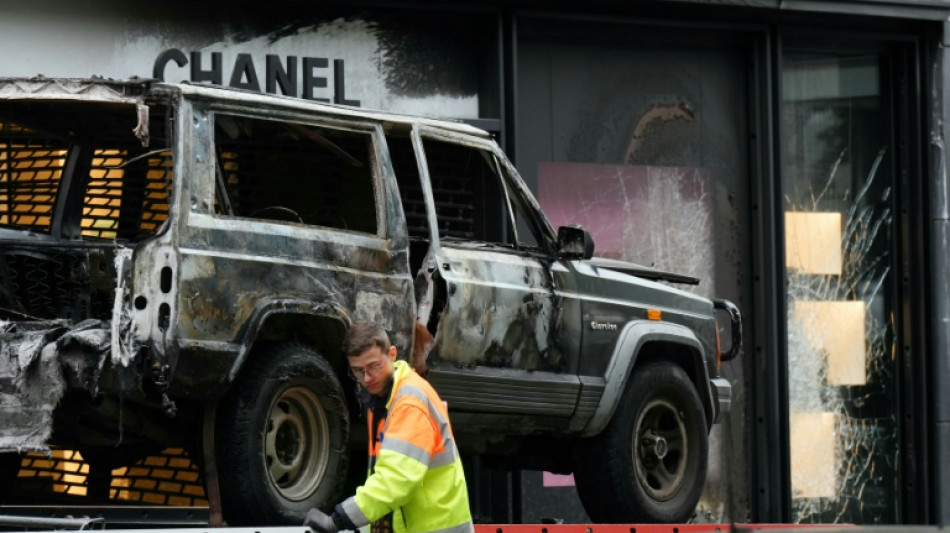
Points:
(296, 443)
(660, 449)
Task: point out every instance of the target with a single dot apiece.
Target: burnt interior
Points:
(75, 183)
(468, 192)
(469, 203)
(281, 171)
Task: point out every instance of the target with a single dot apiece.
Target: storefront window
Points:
(837, 195)
(638, 134)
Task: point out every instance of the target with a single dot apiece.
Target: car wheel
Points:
(649, 463)
(9, 468)
(282, 438)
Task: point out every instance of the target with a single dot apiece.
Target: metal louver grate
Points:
(167, 478)
(403, 158)
(251, 188)
(121, 205)
(156, 198)
(30, 173)
(102, 205)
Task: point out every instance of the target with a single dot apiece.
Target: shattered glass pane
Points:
(659, 217)
(836, 185)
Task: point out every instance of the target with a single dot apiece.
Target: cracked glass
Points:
(837, 197)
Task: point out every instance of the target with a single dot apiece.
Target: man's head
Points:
(370, 356)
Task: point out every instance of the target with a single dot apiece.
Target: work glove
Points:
(320, 521)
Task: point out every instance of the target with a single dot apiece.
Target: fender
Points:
(632, 337)
(203, 365)
(282, 307)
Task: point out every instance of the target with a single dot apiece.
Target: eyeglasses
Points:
(371, 369)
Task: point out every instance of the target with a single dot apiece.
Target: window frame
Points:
(513, 189)
(365, 127)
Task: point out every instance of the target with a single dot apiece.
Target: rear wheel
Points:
(649, 463)
(282, 438)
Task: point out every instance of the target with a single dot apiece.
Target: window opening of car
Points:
(31, 169)
(469, 198)
(287, 172)
(473, 199)
(85, 159)
(403, 158)
(222, 204)
(123, 201)
(74, 173)
(524, 232)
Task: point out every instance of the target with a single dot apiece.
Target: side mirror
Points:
(574, 242)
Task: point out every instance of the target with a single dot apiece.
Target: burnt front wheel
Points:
(649, 463)
(282, 438)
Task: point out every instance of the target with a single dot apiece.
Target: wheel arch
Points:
(639, 344)
(687, 358)
(298, 378)
(321, 326)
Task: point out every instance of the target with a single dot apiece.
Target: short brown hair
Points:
(362, 336)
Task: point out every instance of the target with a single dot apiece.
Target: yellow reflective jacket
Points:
(418, 472)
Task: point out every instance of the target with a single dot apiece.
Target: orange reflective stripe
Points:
(409, 422)
(408, 394)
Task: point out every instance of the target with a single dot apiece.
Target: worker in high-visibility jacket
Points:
(415, 482)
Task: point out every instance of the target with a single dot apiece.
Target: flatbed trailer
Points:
(148, 519)
(36, 524)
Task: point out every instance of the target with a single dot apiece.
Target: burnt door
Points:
(494, 311)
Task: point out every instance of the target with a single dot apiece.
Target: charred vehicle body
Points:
(178, 264)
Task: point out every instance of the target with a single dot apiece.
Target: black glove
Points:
(320, 521)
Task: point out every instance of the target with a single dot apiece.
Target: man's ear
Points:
(392, 353)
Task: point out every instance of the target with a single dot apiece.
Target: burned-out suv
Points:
(178, 265)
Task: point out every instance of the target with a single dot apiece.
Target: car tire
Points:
(9, 469)
(282, 438)
(649, 464)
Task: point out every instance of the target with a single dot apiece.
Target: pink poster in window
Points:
(654, 216)
(557, 480)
